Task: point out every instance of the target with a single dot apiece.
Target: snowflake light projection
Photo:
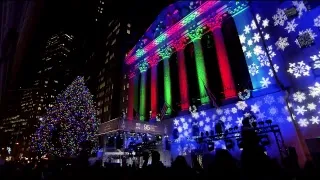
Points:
(254, 36)
(263, 108)
(299, 69)
(316, 21)
(291, 26)
(279, 18)
(282, 43)
(300, 7)
(316, 61)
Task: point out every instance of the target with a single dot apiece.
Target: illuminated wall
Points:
(281, 46)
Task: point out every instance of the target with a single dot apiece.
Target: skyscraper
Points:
(55, 71)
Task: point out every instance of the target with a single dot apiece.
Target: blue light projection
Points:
(271, 106)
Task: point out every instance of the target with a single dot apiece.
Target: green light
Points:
(161, 38)
(165, 52)
(140, 52)
(189, 18)
(167, 85)
(136, 94)
(201, 72)
(143, 66)
(196, 33)
(142, 109)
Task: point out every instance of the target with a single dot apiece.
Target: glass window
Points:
(128, 31)
(129, 25)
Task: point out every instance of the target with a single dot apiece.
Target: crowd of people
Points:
(216, 164)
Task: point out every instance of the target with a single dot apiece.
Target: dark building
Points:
(116, 32)
(55, 70)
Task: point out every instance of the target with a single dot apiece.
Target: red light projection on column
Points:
(131, 77)
(153, 62)
(179, 46)
(227, 80)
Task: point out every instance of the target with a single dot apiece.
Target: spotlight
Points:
(269, 122)
(260, 123)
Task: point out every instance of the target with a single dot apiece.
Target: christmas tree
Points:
(70, 123)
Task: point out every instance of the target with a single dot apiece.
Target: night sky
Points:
(77, 17)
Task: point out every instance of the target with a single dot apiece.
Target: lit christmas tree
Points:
(69, 124)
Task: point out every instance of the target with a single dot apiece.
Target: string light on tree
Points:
(69, 124)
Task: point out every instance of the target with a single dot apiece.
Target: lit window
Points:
(96, 19)
(128, 31)
(123, 99)
(126, 110)
(129, 25)
(102, 2)
(114, 41)
(55, 81)
(125, 76)
(127, 97)
(127, 85)
(124, 87)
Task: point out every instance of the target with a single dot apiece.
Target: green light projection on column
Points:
(165, 55)
(167, 85)
(142, 109)
(201, 72)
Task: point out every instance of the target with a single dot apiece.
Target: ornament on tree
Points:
(70, 123)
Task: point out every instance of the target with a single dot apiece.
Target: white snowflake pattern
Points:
(176, 122)
(299, 96)
(244, 49)
(303, 122)
(227, 111)
(242, 38)
(195, 115)
(256, 37)
(247, 29)
(228, 126)
(314, 91)
(182, 120)
(207, 120)
(219, 111)
(261, 115)
(273, 111)
(234, 110)
(276, 69)
(300, 110)
(201, 123)
(265, 23)
(282, 43)
(253, 69)
(280, 100)
(203, 113)
(280, 17)
(185, 126)
(315, 120)
(258, 17)
(316, 59)
(317, 21)
(253, 25)
(255, 108)
(207, 128)
(264, 60)
(299, 69)
(223, 118)
(229, 118)
(239, 121)
(312, 106)
(271, 52)
(241, 105)
(180, 129)
(269, 99)
(257, 50)
(265, 82)
(291, 26)
(266, 36)
(248, 54)
(300, 7)
(213, 117)
(250, 42)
